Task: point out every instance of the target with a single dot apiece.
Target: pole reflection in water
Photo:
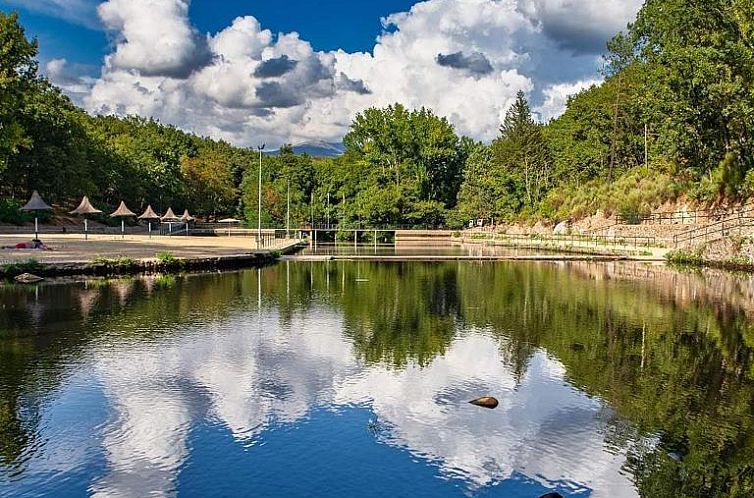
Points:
(613, 380)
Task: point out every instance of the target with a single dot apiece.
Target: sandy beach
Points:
(73, 247)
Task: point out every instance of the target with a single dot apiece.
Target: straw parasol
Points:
(122, 212)
(187, 218)
(229, 221)
(36, 204)
(169, 217)
(149, 215)
(84, 209)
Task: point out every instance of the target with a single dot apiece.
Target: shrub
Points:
(10, 212)
(682, 257)
(637, 191)
(26, 266)
(116, 261)
(166, 257)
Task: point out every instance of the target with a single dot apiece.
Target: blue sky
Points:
(328, 24)
(299, 71)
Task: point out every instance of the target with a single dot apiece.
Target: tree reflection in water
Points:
(669, 354)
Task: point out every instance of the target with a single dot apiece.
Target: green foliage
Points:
(115, 261)
(414, 149)
(166, 257)
(637, 192)
(165, 282)
(684, 257)
(19, 267)
(10, 212)
(522, 153)
(18, 69)
(728, 180)
(677, 95)
(284, 174)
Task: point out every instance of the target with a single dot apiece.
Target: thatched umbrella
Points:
(122, 212)
(84, 209)
(230, 221)
(149, 215)
(187, 218)
(169, 217)
(36, 204)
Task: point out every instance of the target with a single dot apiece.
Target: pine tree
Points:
(523, 149)
(518, 118)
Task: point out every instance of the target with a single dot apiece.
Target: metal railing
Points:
(350, 227)
(573, 240)
(719, 229)
(70, 229)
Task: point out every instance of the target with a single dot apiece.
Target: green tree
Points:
(414, 149)
(18, 69)
(523, 151)
(700, 53)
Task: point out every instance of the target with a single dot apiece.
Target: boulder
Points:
(485, 402)
(561, 228)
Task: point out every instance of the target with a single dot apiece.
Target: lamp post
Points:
(288, 213)
(259, 201)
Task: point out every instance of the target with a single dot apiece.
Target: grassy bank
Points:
(697, 259)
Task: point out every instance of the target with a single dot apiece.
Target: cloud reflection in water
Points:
(252, 373)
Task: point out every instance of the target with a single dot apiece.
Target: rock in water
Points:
(552, 495)
(485, 402)
(28, 278)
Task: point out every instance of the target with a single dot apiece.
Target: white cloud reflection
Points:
(252, 371)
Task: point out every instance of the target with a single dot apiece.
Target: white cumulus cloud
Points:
(556, 97)
(464, 59)
(154, 37)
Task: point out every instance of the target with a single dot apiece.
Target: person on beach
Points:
(34, 244)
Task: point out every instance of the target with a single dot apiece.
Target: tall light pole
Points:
(259, 195)
(288, 213)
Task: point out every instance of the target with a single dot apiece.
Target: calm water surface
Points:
(352, 379)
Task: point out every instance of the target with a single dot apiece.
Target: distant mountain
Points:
(317, 149)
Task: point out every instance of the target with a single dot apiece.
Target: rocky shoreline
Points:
(135, 267)
(108, 267)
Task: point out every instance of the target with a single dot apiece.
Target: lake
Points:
(353, 379)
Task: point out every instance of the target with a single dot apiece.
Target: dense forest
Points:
(673, 117)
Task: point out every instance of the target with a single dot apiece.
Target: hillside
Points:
(673, 118)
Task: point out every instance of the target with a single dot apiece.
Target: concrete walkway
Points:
(631, 252)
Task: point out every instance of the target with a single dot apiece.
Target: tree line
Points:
(672, 117)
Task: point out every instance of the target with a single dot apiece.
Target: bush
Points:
(116, 261)
(166, 257)
(681, 257)
(636, 192)
(27, 266)
(10, 212)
